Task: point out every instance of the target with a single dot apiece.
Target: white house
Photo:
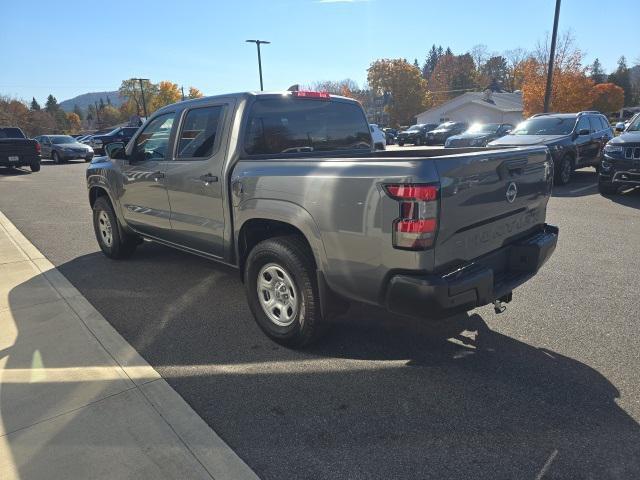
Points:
(477, 107)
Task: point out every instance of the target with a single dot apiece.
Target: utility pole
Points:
(182, 89)
(144, 104)
(552, 54)
(258, 43)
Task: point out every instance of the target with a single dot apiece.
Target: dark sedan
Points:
(439, 135)
(120, 134)
(61, 148)
(478, 135)
(415, 134)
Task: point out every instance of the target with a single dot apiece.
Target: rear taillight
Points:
(38, 148)
(308, 94)
(416, 227)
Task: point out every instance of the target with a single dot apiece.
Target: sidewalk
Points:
(76, 400)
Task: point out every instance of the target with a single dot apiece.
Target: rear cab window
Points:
(283, 125)
(199, 132)
(9, 132)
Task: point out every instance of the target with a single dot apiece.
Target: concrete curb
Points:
(204, 444)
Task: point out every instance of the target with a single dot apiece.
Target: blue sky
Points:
(73, 47)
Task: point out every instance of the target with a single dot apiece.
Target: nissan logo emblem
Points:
(512, 192)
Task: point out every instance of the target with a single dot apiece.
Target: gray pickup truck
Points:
(287, 188)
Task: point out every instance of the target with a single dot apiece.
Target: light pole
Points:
(258, 43)
(552, 54)
(144, 104)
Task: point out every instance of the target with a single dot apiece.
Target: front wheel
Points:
(55, 156)
(282, 291)
(113, 242)
(401, 144)
(563, 170)
(418, 142)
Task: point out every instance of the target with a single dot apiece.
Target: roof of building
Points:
(505, 102)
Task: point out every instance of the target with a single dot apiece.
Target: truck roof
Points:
(245, 95)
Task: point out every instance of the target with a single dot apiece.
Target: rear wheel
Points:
(563, 170)
(113, 242)
(401, 144)
(35, 166)
(282, 291)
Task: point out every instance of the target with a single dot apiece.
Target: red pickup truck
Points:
(16, 150)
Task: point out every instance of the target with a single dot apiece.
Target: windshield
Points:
(445, 125)
(114, 131)
(546, 126)
(62, 139)
(413, 128)
(483, 128)
(634, 126)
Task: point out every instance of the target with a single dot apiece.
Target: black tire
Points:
(55, 157)
(563, 170)
(298, 281)
(607, 189)
(401, 144)
(87, 160)
(105, 226)
(35, 167)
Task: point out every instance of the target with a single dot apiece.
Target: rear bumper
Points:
(23, 161)
(487, 279)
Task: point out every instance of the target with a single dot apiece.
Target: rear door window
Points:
(199, 132)
(296, 125)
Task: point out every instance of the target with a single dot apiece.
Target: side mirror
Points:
(116, 151)
(584, 131)
(620, 127)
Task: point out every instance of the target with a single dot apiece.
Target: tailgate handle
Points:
(511, 168)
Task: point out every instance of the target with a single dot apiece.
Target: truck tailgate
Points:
(488, 201)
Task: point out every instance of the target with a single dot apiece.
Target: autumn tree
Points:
(571, 89)
(74, 122)
(110, 116)
(494, 70)
(405, 85)
(607, 97)
(168, 93)
(130, 91)
(453, 75)
(194, 93)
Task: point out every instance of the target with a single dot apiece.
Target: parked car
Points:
(61, 148)
(379, 138)
(439, 135)
(478, 135)
(575, 140)
(16, 150)
(620, 166)
(391, 134)
(415, 134)
(287, 188)
(120, 134)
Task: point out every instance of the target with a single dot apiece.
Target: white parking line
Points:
(582, 189)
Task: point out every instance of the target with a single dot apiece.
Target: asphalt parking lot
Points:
(548, 389)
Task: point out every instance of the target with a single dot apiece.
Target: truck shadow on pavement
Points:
(378, 398)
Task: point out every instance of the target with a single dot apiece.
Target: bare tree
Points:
(480, 55)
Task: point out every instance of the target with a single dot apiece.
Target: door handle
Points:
(208, 178)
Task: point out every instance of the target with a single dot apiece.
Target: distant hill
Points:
(86, 99)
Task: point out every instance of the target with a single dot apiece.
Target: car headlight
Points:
(612, 149)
